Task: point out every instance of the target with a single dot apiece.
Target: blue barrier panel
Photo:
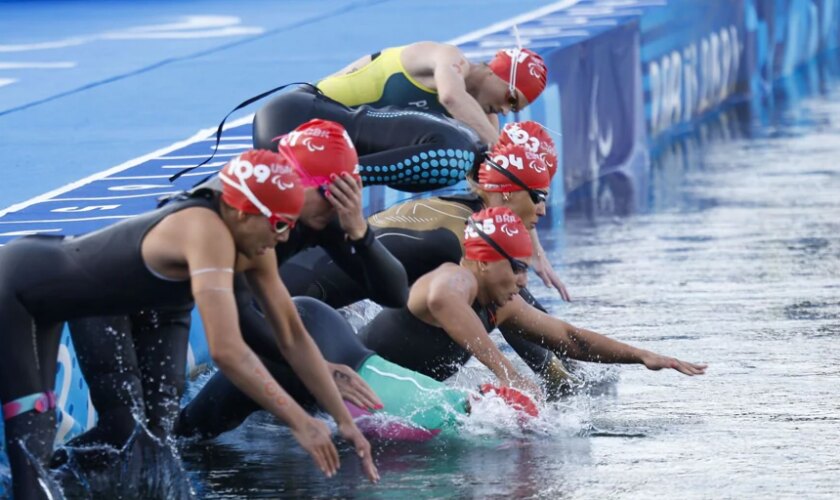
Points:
(604, 152)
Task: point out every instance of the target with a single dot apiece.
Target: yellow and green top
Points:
(382, 82)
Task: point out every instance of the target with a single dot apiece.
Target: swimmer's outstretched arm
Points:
(302, 354)
(581, 344)
(448, 300)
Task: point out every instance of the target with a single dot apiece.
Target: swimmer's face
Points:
(317, 211)
(521, 204)
(501, 283)
(495, 97)
(254, 235)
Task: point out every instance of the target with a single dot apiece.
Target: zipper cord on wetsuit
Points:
(246, 102)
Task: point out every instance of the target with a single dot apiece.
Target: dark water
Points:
(737, 264)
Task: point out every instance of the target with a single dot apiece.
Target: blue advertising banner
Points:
(692, 61)
(599, 91)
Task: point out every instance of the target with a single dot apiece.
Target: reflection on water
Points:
(736, 263)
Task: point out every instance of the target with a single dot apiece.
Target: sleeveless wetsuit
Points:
(127, 373)
(382, 82)
(421, 234)
(405, 149)
(45, 281)
(220, 406)
(400, 337)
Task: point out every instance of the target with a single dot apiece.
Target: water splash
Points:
(146, 468)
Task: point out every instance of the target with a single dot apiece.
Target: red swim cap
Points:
(504, 228)
(518, 161)
(320, 148)
(522, 69)
(517, 400)
(535, 138)
(261, 182)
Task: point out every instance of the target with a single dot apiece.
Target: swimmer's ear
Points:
(482, 266)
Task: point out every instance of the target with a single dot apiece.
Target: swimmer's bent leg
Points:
(220, 406)
(404, 149)
(161, 338)
(28, 366)
(412, 396)
(105, 350)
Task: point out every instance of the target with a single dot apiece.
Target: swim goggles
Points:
(537, 195)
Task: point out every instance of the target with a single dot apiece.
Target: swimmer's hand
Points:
(655, 361)
(353, 387)
(350, 432)
(315, 437)
(345, 194)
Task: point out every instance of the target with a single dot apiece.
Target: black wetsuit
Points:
(400, 337)
(404, 149)
(220, 406)
(122, 370)
(49, 280)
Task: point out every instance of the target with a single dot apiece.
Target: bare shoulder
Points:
(450, 278)
(424, 46)
(199, 222)
(447, 285)
(201, 228)
(421, 57)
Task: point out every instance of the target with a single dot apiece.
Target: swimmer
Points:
(426, 404)
(421, 115)
(330, 218)
(437, 77)
(190, 248)
(452, 309)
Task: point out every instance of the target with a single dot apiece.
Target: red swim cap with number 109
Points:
(259, 181)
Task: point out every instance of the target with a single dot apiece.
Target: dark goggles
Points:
(537, 195)
(513, 100)
(517, 265)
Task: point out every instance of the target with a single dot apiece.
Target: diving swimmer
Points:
(191, 247)
(330, 218)
(421, 115)
(452, 309)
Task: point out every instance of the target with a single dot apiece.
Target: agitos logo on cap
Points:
(259, 181)
(535, 138)
(523, 70)
(495, 234)
(319, 148)
(512, 167)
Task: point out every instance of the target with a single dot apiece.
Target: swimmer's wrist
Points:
(361, 240)
(297, 420)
